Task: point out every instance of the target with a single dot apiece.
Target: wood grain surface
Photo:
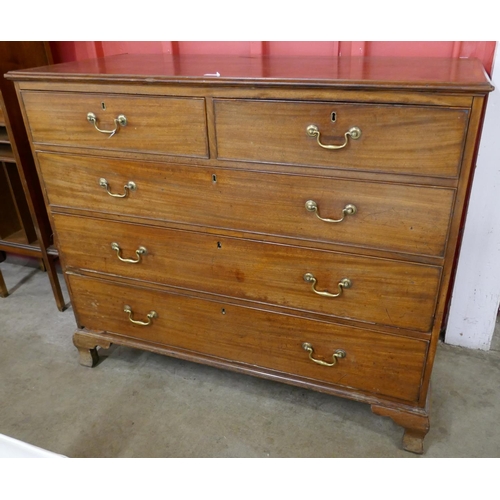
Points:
(390, 216)
(173, 126)
(398, 139)
(224, 167)
(394, 73)
(383, 364)
(387, 292)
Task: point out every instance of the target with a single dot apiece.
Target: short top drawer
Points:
(164, 125)
(405, 139)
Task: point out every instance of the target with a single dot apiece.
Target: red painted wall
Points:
(71, 51)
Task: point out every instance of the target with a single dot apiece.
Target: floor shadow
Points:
(22, 281)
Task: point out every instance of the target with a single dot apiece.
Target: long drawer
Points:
(377, 363)
(381, 291)
(403, 218)
(167, 125)
(398, 139)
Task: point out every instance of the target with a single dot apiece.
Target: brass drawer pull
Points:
(343, 283)
(312, 206)
(339, 353)
(130, 186)
(150, 316)
(120, 121)
(139, 252)
(354, 133)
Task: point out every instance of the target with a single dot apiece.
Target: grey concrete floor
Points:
(138, 404)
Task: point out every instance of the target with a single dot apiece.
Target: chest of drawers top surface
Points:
(459, 75)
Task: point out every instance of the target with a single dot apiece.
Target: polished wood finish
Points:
(222, 213)
(173, 126)
(393, 293)
(27, 230)
(392, 73)
(390, 216)
(254, 337)
(406, 140)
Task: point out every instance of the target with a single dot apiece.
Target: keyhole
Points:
(334, 116)
(219, 244)
(223, 311)
(214, 178)
(103, 106)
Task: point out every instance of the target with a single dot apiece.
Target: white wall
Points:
(476, 293)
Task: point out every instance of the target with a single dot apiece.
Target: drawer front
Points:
(166, 125)
(386, 292)
(394, 139)
(376, 363)
(412, 219)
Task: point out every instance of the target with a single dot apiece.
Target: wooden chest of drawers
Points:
(292, 219)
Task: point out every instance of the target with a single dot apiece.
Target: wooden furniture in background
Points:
(294, 219)
(3, 287)
(24, 224)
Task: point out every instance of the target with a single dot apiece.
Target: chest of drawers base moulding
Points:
(340, 228)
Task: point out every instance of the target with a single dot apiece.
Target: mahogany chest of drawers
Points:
(293, 219)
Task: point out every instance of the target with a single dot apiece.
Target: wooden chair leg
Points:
(54, 282)
(3, 287)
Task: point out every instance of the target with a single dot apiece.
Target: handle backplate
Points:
(349, 209)
(120, 121)
(139, 252)
(151, 315)
(338, 354)
(343, 283)
(353, 133)
(130, 186)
